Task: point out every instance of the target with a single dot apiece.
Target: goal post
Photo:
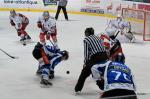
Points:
(139, 20)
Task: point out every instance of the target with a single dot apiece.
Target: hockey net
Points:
(139, 20)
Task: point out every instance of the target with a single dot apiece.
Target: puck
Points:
(67, 72)
(24, 44)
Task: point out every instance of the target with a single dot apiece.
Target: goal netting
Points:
(139, 20)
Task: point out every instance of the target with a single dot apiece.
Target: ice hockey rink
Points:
(17, 76)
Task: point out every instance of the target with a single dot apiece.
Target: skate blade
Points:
(46, 86)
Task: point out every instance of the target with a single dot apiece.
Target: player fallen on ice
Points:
(115, 79)
(47, 24)
(20, 22)
(48, 57)
(113, 47)
(121, 25)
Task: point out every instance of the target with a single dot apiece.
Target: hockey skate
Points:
(45, 83)
(28, 37)
(22, 39)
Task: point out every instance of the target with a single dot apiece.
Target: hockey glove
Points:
(112, 37)
(39, 25)
(12, 23)
(100, 84)
(39, 45)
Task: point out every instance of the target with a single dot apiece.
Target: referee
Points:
(94, 52)
(62, 5)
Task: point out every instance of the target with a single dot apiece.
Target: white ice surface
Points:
(17, 76)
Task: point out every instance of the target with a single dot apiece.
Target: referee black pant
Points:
(86, 71)
(119, 94)
(64, 11)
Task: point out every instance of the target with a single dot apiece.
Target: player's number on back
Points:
(118, 74)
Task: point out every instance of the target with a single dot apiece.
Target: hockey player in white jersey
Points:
(20, 22)
(47, 24)
(48, 57)
(120, 25)
(115, 79)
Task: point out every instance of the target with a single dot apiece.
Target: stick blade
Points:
(14, 57)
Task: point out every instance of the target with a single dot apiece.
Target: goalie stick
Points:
(13, 57)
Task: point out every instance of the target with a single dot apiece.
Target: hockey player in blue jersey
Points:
(48, 57)
(115, 79)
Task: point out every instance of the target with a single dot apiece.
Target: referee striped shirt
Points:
(92, 45)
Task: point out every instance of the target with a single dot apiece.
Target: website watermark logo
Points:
(49, 2)
(20, 2)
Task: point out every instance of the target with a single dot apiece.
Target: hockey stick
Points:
(13, 57)
(116, 34)
(24, 43)
(51, 42)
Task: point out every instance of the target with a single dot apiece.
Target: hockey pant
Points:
(47, 68)
(21, 32)
(47, 36)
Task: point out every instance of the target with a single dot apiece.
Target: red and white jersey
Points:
(18, 19)
(48, 25)
(106, 41)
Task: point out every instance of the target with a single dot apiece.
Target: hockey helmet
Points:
(89, 31)
(12, 13)
(46, 14)
(65, 55)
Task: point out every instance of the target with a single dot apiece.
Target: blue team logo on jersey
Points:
(49, 2)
